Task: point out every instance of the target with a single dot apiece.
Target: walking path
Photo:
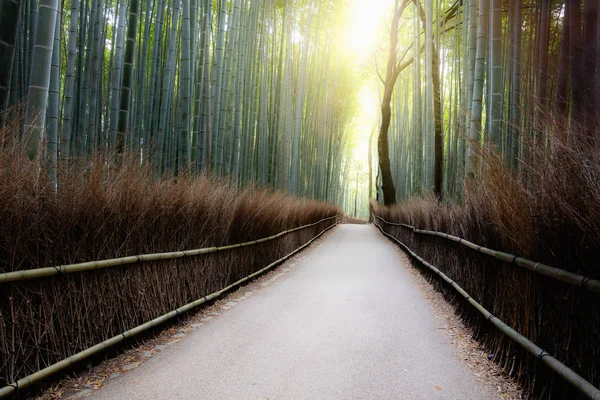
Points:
(345, 323)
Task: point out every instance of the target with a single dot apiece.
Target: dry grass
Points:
(550, 212)
(101, 213)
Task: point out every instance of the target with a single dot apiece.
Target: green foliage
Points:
(231, 87)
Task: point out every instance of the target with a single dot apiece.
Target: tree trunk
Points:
(437, 113)
(387, 182)
(392, 72)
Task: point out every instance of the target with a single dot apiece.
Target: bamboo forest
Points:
(186, 88)
(162, 161)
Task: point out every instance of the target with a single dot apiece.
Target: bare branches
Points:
(402, 66)
(377, 70)
(405, 53)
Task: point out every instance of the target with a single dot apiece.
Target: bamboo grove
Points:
(491, 76)
(241, 88)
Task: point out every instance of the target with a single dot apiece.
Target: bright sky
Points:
(366, 17)
(366, 25)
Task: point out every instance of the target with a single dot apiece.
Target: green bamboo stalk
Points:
(118, 70)
(126, 88)
(32, 29)
(238, 82)
(206, 126)
(84, 96)
(77, 134)
(37, 99)
(224, 112)
(417, 101)
(97, 57)
(186, 86)
(478, 85)
(153, 100)
(428, 99)
(217, 79)
(496, 88)
(515, 100)
(160, 159)
(53, 106)
(9, 19)
(66, 129)
(141, 127)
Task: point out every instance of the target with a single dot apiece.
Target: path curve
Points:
(345, 323)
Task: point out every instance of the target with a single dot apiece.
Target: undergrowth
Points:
(100, 212)
(548, 212)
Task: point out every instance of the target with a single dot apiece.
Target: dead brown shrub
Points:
(100, 212)
(549, 212)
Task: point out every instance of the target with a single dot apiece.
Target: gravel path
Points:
(345, 323)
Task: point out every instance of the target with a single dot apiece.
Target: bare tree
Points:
(393, 69)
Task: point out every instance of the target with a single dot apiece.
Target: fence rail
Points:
(112, 262)
(578, 382)
(593, 285)
(69, 361)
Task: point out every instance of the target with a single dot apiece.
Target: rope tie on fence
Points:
(585, 281)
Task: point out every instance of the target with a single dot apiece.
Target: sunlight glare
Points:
(366, 18)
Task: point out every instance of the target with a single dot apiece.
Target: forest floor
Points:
(349, 318)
